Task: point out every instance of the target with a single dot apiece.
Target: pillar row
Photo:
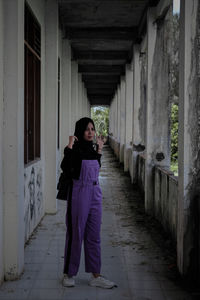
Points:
(1, 140)
(128, 114)
(157, 118)
(188, 142)
(51, 92)
(74, 93)
(66, 105)
(122, 117)
(13, 139)
(136, 133)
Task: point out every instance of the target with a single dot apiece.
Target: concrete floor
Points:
(135, 251)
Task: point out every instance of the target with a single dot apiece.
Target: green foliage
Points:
(174, 91)
(100, 116)
(174, 132)
(174, 168)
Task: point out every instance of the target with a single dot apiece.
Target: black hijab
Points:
(82, 149)
(86, 149)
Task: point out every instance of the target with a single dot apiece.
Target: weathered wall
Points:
(193, 186)
(160, 76)
(1, 137)
(189, 142)
(166, 200)
(34, 173)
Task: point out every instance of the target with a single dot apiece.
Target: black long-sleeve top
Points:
(71, 163)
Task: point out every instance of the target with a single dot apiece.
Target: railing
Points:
(166, 199)
(165, 189)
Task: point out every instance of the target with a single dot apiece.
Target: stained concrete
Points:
(136, 253)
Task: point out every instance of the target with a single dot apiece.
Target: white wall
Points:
(1, 127)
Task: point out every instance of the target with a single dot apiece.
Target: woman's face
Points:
(89, 132)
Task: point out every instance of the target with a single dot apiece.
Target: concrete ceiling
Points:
(102, 35)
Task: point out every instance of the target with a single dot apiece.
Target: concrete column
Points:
(82, 99)
(112, 122)
(51, 105)
(128, 115)
(13, 139)
(87, 105)
(116, 115)
(136, 133)
(158, 126)
(150, 140)
(86, 102)
(111, 119)
(66, 115)
(188, 142)
(74, 91)
(118, 112)
(122, 118)
(113, 114)
(115, 131)
(89, 109)
(136, 137)
(1, 140)
(80, 102)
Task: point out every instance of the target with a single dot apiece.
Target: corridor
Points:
(135, 251)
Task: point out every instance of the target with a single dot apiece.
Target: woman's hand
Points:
(100, 142)
(72, 139)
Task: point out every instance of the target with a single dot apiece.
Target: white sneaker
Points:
(68, 281)
(102, 282)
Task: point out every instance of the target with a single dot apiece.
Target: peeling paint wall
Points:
(160, 76)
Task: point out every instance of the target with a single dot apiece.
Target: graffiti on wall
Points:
(33, 198)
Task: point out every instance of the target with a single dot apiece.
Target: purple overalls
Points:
(83, 221)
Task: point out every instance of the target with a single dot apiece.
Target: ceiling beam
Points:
(100, 55)
(102, 33)
(100, 102)
(102, 85)
(100, 91)
(99, 97)
(101, 78)
(101, 69)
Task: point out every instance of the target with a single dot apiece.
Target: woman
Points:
(83, 218)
